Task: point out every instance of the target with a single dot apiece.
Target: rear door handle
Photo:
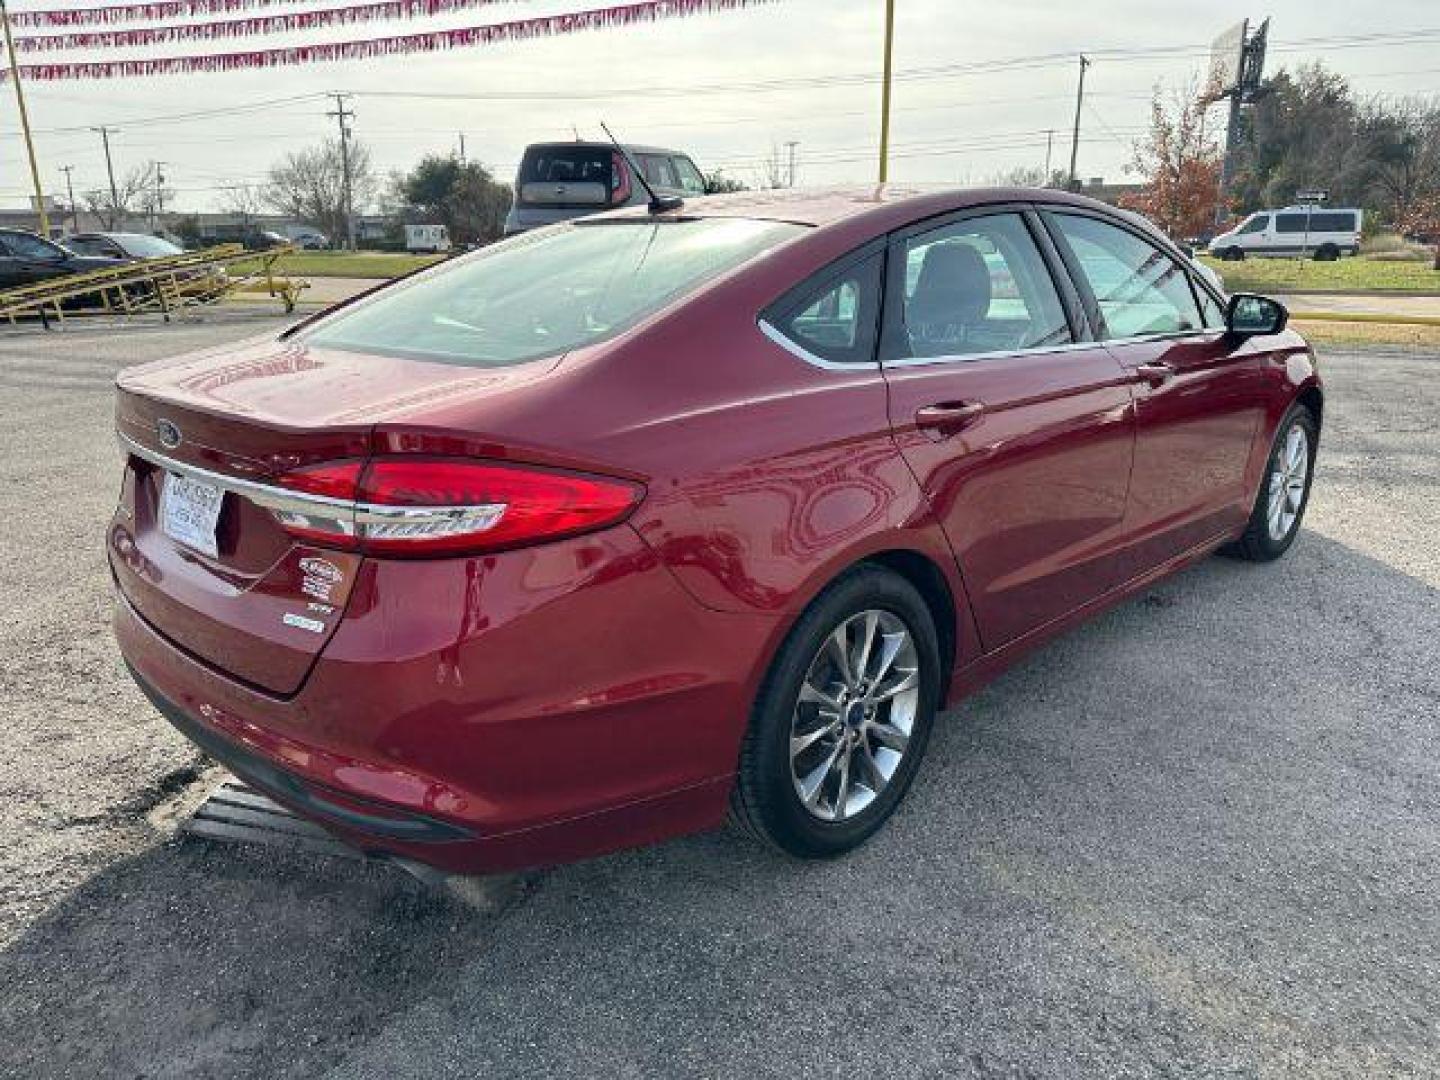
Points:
(1154, 374)
(948, 415)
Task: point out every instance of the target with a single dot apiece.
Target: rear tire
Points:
(842, 719)
(1284, 492)
(1327, 253)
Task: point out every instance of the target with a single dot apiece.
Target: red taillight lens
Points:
(418, 506)
(620, 188)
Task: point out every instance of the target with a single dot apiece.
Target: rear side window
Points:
(1140, 290)
(836, 317)
(979, 285)
(659, 170)
(1332, 221)
(545, 293)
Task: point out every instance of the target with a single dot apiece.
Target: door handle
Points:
(948, 415)
(1154, 374)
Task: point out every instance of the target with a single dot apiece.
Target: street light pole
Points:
(25, 123)
(885, 91)
(1075, 138)
(70, 192)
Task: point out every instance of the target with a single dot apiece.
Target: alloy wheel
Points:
(1289, 473)
(855, 715)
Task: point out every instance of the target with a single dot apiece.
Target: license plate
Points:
(189, 510)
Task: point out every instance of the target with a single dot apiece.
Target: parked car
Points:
(264, 240)
(26, 259)
(121, 245)
(560, 181)
(586, 539)
(306, 238)
(1322, 234)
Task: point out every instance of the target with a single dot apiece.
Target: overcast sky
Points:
(948, 126)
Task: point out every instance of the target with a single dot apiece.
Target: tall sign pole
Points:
(25, 123)
(885, 91)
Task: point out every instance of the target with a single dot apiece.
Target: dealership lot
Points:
(1196, 837)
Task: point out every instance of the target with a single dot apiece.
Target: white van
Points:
(428, 238)
(1321, 233)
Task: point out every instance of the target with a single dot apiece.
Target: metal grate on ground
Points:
(237, 812)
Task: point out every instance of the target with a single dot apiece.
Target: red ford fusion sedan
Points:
(589, 538)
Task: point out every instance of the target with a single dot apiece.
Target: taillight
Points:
(429, 506)
(620, 192)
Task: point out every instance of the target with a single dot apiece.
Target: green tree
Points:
(718, 183)
(462, 196)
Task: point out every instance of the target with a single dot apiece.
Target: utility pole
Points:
(1049, 146)
(462, 148)
(70, 191)
(342, 114)
(885, 91)
(157, 212)
(1075, 137)
(25, 123)
(791, 147)
(105, 133)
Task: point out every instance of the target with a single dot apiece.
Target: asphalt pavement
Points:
(1197, 837)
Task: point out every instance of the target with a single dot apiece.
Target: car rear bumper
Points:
(488, 715)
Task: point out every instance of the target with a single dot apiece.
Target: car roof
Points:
(873, 208)
(632, 148)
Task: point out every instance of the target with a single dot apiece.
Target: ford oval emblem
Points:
(169, 434)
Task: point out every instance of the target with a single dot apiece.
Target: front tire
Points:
(1233, 254)
(1285, 491)
(842, 719)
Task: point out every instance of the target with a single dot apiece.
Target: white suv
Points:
(1297, 230)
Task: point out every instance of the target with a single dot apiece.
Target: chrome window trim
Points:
(994, 354)
(774, 334)
(301, 508)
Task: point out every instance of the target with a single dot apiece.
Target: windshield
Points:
(548, 292)
(148, 247)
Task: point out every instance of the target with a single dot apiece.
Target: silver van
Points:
(1320, 233)
(559, 181)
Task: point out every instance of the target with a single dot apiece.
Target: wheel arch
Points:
(1313, 398)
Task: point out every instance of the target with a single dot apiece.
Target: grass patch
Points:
(1326, 332)
(1344, 275)
(358, 264)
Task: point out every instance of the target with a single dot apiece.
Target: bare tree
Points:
(245, 202)
(130, 195)
(310, 185)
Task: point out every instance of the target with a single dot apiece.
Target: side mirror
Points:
(1253, 316)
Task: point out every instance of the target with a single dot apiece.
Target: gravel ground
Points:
(1195, 838)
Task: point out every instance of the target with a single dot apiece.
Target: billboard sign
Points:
(1227, 56)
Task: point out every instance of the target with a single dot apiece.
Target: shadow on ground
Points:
(1196, 837)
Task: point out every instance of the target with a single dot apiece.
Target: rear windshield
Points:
(566, 165)
(547, 292)
(148, 247)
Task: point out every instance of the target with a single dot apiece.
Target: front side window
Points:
(979, 285)
(1255, 224)
(1140, 290)
(547, 292)
(691, 182)
(836, 318)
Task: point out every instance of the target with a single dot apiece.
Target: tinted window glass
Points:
(1256, 224)
(659, 171)
(979, 285)
(88, 246)
(836, 319)
(1139, 288)
(1290, 223)
(148, 247)
(1331, 221)
(566, 165)
(691, 182)
(545, 293)
(26, 246)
